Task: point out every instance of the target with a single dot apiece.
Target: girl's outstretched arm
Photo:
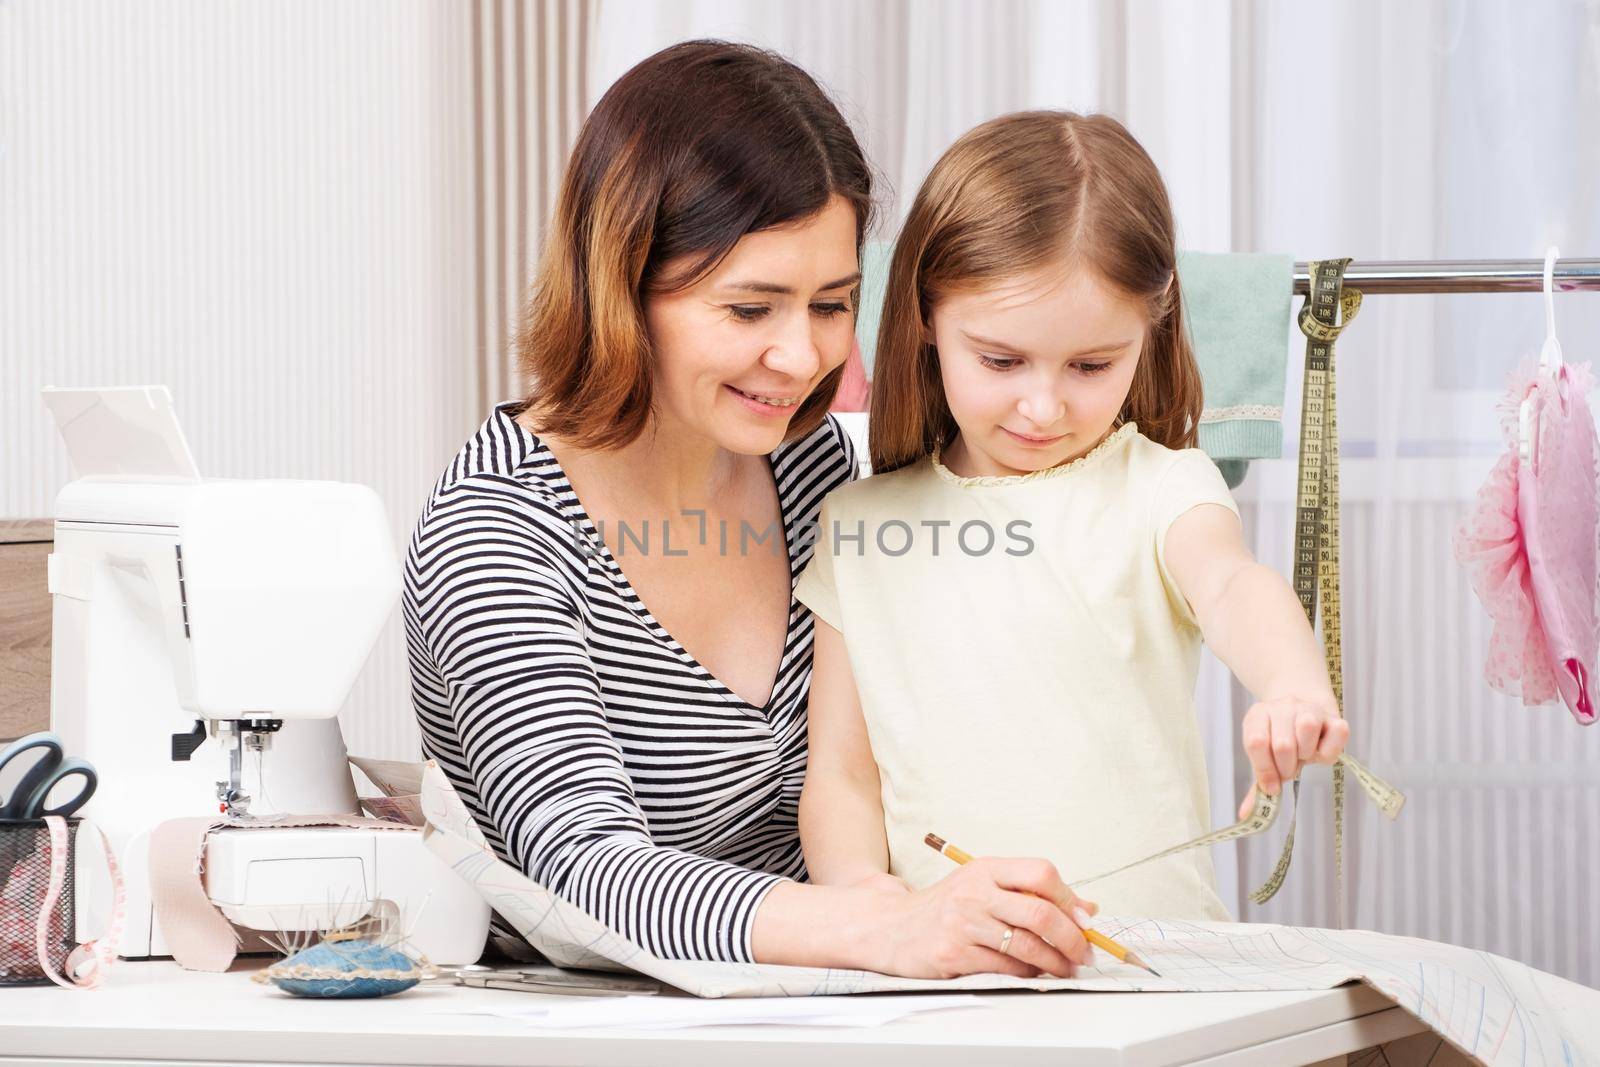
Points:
(1254, 623)
(841, 808)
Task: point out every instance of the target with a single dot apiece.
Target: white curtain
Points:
(1379, 131)
(529, 67)
(1469, 132)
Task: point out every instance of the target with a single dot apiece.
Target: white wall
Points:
(268, 208)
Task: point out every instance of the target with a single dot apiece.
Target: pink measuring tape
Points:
(87, 964)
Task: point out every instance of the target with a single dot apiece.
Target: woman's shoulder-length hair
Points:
(687, 152)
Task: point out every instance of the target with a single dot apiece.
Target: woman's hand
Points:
(1283, 735)
(884, 882)
(958, 925)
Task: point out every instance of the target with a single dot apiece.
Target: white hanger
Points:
(1549, 356)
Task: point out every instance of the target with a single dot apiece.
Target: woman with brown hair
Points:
(607, 658)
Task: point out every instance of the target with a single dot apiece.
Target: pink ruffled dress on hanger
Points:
(1531, 542)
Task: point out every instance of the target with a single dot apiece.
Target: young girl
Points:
(1010, 610)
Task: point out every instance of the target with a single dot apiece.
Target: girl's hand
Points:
(1283, 735)
(957, 926)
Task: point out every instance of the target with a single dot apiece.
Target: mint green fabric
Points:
(1237, 310)
(874, 279)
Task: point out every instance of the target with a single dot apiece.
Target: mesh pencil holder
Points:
(26, 856)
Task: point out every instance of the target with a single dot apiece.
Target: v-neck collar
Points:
(536, 452)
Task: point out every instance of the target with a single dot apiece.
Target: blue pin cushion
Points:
(345, 967)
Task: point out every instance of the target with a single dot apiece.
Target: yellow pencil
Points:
(1094, 937)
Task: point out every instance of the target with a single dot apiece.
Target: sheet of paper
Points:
(395, 809)
(396, 778)
(673, 1013)
(1495, 1009)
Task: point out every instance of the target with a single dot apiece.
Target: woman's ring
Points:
(1005, 941)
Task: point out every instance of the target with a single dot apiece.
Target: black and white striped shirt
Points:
(595, 752)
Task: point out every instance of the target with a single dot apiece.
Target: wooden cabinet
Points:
(24, 626)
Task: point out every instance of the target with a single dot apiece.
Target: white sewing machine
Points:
(242, 610)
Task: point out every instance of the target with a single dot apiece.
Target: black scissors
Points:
(54, 766)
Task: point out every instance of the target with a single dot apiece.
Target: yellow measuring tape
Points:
(1328, 310)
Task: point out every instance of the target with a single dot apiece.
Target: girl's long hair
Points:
(1018, 193)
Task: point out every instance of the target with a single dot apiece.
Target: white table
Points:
(151, 1012)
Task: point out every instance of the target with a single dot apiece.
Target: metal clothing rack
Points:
(1461, 276)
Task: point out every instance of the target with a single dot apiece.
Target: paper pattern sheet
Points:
(1494, 1009)
(402, 787)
